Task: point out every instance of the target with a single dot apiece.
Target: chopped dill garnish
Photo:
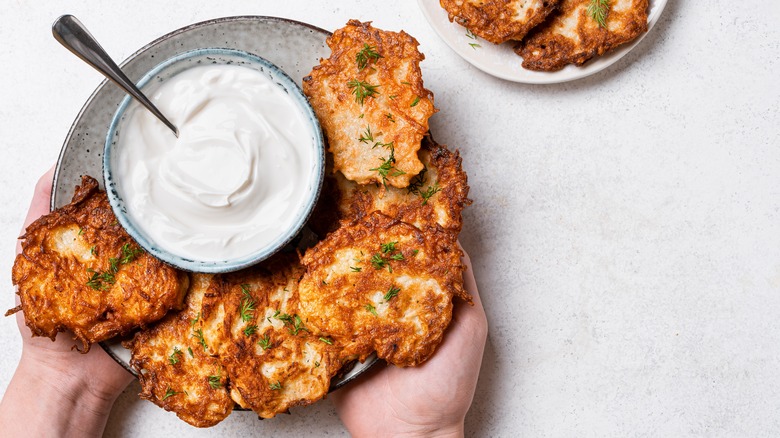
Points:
(361, 90)
(429, 192)
(294, 321)
(198, 334)
(371, 309)
(216, 381)
(599, 10)
(275, 386)
(102, 280)
(366, 136)
(378, 262)
(417, 183)
(365, 55)
(129, 253)
(175, 356)
(416, 101)
(265, 342)
(247, 304)
(471, 35)
(250, 330)
(387, 165)
(169, 393)
(327, 341)
(355, 268)
(388, 247)
(392, 292)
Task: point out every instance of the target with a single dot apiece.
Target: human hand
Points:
(429, 400)
(55, 386)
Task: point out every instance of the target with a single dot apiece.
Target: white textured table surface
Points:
(625, 231)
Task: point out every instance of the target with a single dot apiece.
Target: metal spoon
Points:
(69, 31)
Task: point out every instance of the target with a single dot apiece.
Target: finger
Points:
(469, 282)
(472, 319)
(39, 205)
(41, 197)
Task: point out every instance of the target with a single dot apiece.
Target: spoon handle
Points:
(69, 31)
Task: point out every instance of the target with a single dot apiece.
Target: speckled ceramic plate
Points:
(502, 62)
(293, 46)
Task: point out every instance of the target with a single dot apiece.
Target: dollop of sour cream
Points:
(235, 178)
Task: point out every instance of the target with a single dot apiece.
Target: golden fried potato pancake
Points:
(175, 370)
(436, 196)
(370, 100)
(382, 285)
(573, 36)
(251, 322)
(498, 21)
(80, 271)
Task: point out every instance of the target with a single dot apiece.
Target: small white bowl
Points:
(168, 69)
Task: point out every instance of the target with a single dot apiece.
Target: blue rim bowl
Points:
(171, 67)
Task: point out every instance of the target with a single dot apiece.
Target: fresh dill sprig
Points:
(361, 90)
(378, 262)
(367, 136)
(247, 308)
(250, 330)
(365, 55)
(471, 35)
(388, 247)
(417, 183)
(387, 165)
(599, 10)
(265, 342)
(175, 356)
(275, 386)
(96, 280)
(294, 321)
(392, 292)
(371, 309)
(388, 252)
(102, 280)
(216, 381)
(428, 193)
(169, 393)
(198, 334)
(129, 253)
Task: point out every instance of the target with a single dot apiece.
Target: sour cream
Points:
(235, 178)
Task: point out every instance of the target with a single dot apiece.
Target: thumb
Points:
(39, 205)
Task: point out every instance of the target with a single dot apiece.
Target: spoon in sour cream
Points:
(72, 34)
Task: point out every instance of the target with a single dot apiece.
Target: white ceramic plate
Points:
(502, 62)
(293, 46)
